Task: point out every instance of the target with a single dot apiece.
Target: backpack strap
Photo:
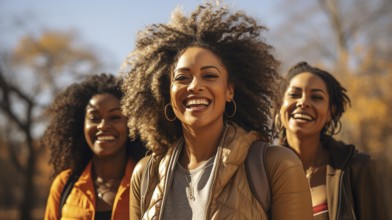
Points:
(68, 187)
(257, 175)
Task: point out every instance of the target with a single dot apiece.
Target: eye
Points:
(116, 117)
(294, 95)
(210, 76)
(180, 77)
(317, 97)
(93, 118)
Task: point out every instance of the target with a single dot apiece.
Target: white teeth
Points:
(197, 102)
(302, 116)
(105, 138)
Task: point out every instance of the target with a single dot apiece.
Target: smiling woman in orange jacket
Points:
(88, 133)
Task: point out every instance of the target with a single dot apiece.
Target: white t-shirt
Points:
(189, 193)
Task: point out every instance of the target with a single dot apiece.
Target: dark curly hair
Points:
(338, 98)
(232, 36)
(65, 135)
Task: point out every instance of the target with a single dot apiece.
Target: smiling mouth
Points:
(105, 138)
(302, 116)
(196, 103)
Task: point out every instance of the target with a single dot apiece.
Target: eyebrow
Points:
(94, 108)
(312, 90)
(202, 68)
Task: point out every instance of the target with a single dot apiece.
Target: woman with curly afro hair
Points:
(199, 91)
(88, 135)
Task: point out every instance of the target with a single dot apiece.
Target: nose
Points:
(303, 103)
(102, 124)
(195, 85)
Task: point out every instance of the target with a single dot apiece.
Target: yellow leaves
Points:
(55, 41)
(371, 109)
(26, 47)
(49, 42)
(52, 57)
(50, 48)
(368, 122)
(368, 98)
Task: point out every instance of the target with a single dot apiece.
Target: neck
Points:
(110, 168)
(307, 148)
(200, 145)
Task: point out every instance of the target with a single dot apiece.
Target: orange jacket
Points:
(80, 203)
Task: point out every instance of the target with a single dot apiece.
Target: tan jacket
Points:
(80, 203)
(352, 188)
(231, 197)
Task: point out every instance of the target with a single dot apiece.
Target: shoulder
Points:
(282, 162)
(343, 155)
(141, 164)
(283, 157)
(139, 168)
(53, 202)
(58, 185)
(60, 180)
(361, 157)
(289, 188)
(361, 162)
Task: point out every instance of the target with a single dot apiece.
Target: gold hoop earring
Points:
(167, 117)
(278, 123)
(235, 109)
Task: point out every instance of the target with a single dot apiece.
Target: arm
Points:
(135, 197)
(52, 211)
(289, 188)
(367, 197)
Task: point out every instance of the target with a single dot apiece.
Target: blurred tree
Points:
(351, 39)
(30, 76)
(329, 32)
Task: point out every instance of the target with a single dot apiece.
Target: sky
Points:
(109, 26)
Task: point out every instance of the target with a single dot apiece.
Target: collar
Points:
(339, 152)
(86, 185)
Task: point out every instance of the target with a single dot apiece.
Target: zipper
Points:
(344, 165)
(169, 173)
(351, 206)
(219, 153)
(218, 158)
(340, 198)
(340, 195)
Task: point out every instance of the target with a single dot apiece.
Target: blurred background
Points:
(46, 45)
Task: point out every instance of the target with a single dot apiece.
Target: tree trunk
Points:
(28, 188)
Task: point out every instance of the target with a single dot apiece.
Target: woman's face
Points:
(305, 109)
(105, 127)
(199, 88)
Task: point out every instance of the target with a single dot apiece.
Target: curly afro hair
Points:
(65, 135)
(232, 36)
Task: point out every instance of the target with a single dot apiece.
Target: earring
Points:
(332, 128)
(235, 109)
(165, 111)
(278, 123)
